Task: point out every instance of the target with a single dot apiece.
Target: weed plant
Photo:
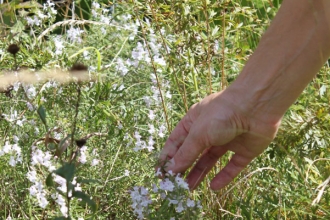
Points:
(87, 102)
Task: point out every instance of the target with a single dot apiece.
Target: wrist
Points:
(256, 101)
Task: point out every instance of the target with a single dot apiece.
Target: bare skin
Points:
(245, 117)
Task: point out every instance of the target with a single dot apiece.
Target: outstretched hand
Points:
(210, 128)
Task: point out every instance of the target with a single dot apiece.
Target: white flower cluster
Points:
(141, 144)
(62, 186)
(83, 156)
(74, 34)
(140, 201)
(172, 188)
(48, 8)
(37, 189)
(14, 151)
(59, 45)
(30, 91)
(40, 160)
(14, 117)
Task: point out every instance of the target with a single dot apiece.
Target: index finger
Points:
(176, 138)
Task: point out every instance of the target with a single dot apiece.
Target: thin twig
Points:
(155, 70)
(167, 52)
(76, 115)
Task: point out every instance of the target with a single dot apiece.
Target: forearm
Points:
(289, 55)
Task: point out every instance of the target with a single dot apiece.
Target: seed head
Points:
(13, 49)
(78, 67)
(81, 142)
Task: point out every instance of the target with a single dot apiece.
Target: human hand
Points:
(212, 127)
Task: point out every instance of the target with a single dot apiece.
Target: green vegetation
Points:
(87, 102)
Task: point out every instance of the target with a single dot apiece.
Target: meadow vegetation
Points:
(90, 90)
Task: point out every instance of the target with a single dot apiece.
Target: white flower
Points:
(64, 210)
(61, 182)
(95, 5)
(30, 91)
(35, 21)
(168, 95)
(166, 184)
(83, 158)
(151, 142)
(121, 87)
(16, 86)
(32, 176)
(16, 139)
(30, 21)
(43, 99)
(12, 161)
(86, 55)
(181, 182)
(7, 148)
(151, 115)
(121, 67)
(137, 135)
(95, 162)
(126, 173)
(162, 128)
(104, 19)
(20, 122)
(151, 129)
(179, 208)
(42, 201)
(74, 34)
(147, 100)
(29, 106)
(173, 201)
(59, 49)
(158, 172)
(190, 203)
(154, 188)
(41, 15)
(103, 30)
(94, 13)
(77, 187)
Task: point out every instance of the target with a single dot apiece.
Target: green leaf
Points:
(42, 114)
(51, 146)
(85, 198)
(66, 171)
(49, 180)
(64, 143)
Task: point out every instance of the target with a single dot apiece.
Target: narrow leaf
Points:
(86, 199)
(64, 143)
(42, 114)
(66, 171)
(49, 180)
